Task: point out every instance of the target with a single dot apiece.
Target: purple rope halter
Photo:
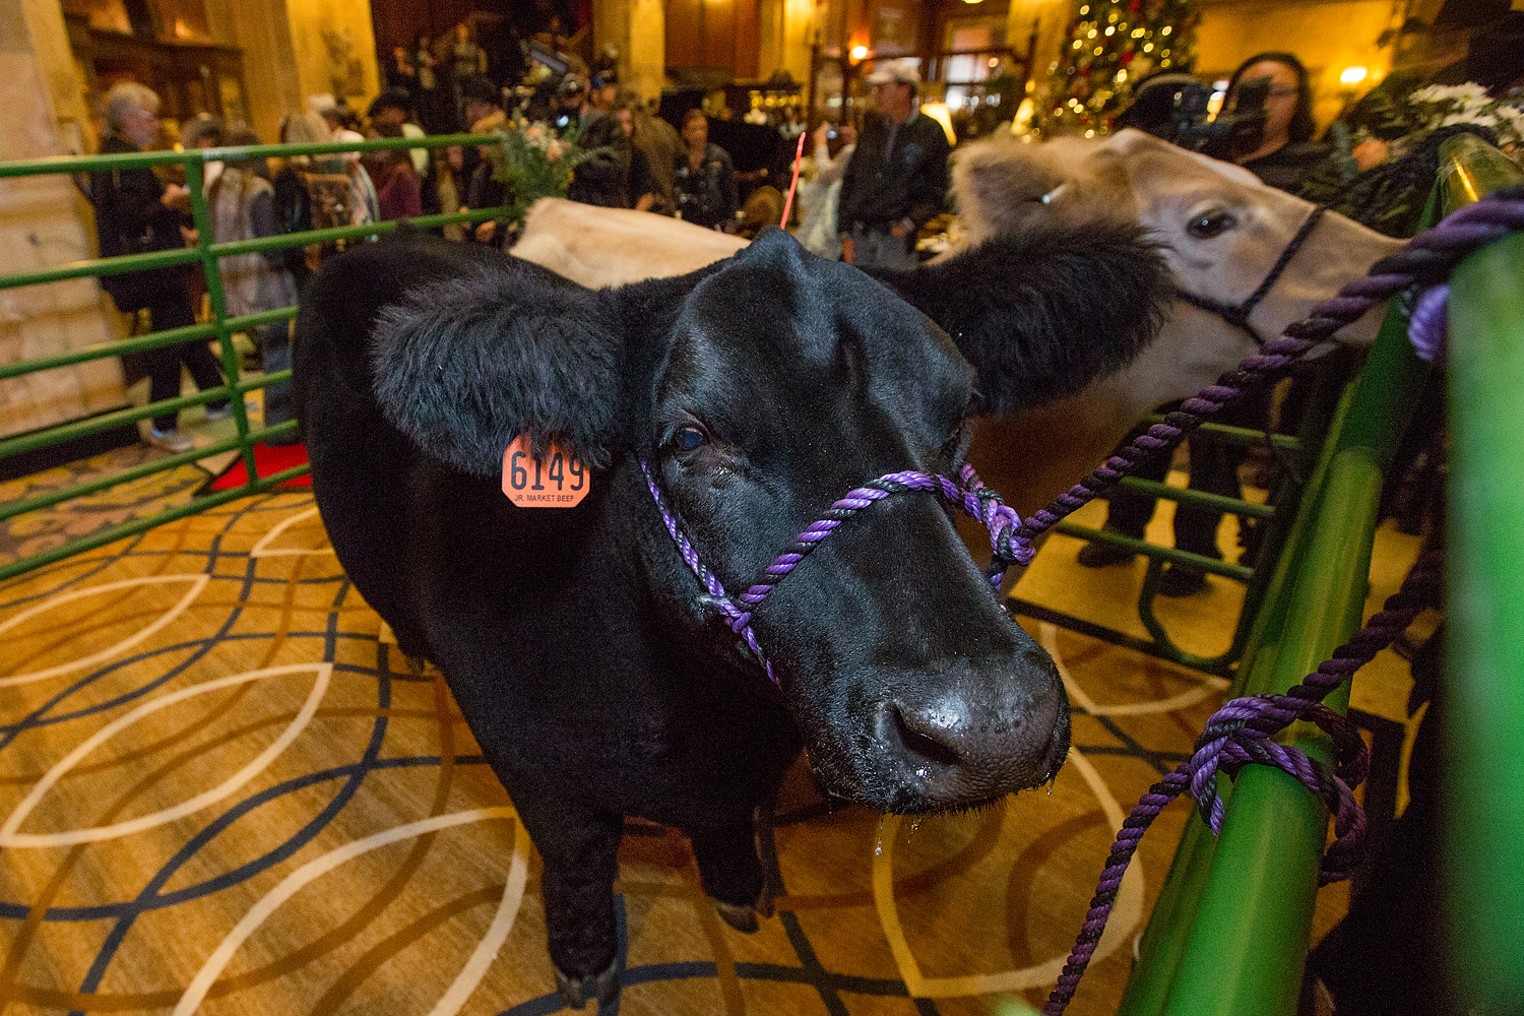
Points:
(967, 492)
(1241, 732)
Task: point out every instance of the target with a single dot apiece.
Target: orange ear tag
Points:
(558, 480)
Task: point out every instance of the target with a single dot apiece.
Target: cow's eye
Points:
(689, 439)
(1210, 223)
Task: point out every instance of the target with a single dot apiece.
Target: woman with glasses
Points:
(1285, 152)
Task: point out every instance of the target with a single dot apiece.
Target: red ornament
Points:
(1135, 6)
(1126, 58)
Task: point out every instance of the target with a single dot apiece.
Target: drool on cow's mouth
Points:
(893, 768)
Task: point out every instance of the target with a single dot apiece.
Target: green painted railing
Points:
(220, 327)
(1484, 708)
(1296, 451)
(1229, 933)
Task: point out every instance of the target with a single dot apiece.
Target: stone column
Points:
(46, 222)
(638, 29)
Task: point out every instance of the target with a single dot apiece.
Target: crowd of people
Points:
(866, 193)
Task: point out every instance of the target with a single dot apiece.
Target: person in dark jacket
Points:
(704, 180)
(136, 212)
(1285, 151)
(897, 179)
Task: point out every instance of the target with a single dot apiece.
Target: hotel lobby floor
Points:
(222, 791)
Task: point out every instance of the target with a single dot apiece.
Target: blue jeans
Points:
(275, 346)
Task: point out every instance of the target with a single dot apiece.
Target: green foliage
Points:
(1384, 163)
(535, 162)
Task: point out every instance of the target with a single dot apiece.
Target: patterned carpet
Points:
(36, 532)
(220, 792)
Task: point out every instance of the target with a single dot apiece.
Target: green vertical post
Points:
(1484, 715)
(1230, 928)
(211, 267)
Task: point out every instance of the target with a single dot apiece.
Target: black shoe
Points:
(1181, 580)
(1099, 555)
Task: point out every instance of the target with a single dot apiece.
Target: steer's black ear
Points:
(465, 364)
(1042, 313)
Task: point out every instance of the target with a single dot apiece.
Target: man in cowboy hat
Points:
(897, 178)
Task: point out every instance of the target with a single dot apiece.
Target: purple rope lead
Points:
(968, 492)
(1241, 732)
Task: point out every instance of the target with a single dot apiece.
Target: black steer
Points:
(583, 653)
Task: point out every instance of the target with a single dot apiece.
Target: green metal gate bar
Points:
(1484, 708)
(1297, 451)
(1229, 933)
(221, 327)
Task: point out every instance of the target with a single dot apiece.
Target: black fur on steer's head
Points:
(1044, 311)
(759, 391)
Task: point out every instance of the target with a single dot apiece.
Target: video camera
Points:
(1232, 133)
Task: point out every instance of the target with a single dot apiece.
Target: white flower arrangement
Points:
(1448, 105)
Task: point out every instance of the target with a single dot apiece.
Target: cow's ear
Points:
(1043, 313)
(1000, 185)
(465, 364)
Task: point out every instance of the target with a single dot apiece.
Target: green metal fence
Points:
(220, 327)
(1296, 452)
(1229, 933)
(1484, 715)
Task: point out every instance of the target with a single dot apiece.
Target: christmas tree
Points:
(1109, 47)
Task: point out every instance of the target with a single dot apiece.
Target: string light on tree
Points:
(1112, 45)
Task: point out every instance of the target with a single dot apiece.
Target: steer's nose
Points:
(972, 736)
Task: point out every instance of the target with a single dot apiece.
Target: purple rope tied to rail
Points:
(1241, 732)
(1427, 323)
(967, 492)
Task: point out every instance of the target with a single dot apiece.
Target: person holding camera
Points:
(1285, 152)
(820, 190)
(1270, 105)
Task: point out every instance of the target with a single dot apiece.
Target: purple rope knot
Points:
(1009, 543)
(1427, 326)
(1242, 732)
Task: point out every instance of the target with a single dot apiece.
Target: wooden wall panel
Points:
(748, 39)
(685, 37)
(716, 35)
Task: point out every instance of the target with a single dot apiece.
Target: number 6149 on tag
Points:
(556, 480)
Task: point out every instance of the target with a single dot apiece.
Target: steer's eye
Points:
(689, 439)
(1210, 223)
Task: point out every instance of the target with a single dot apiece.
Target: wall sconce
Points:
(1350, 77)
(859, 54)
